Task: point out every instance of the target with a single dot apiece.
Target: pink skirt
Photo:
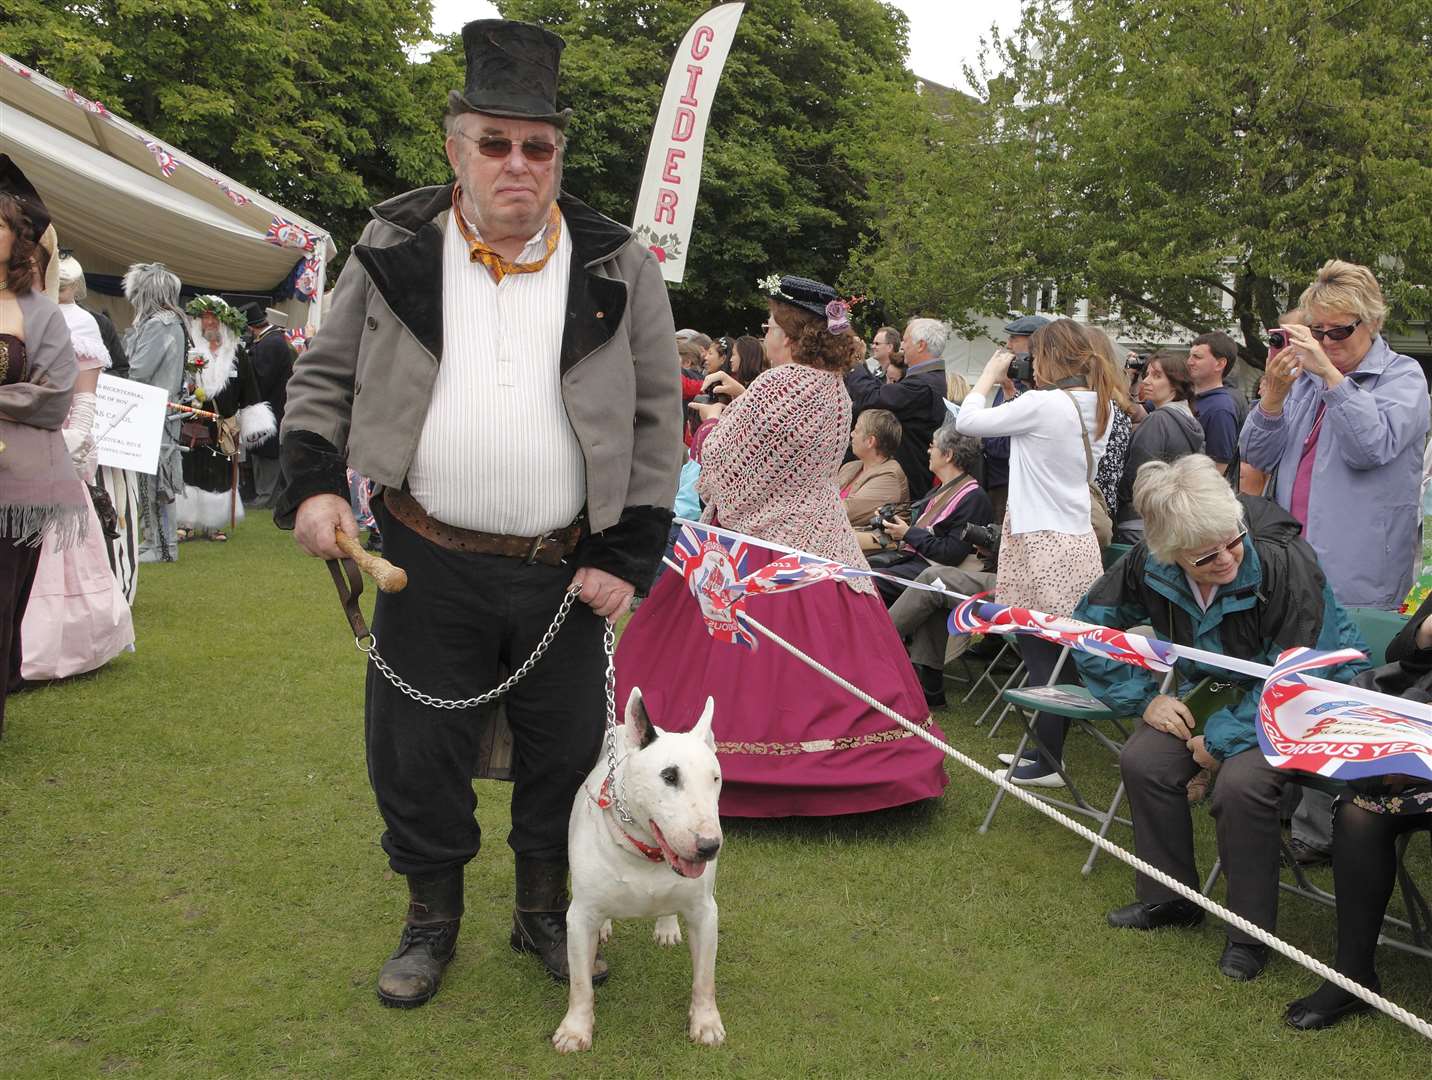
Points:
(790, 741)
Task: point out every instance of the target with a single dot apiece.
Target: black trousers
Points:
(461, 619)
(17, 573)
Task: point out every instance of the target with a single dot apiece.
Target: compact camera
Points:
(1021, 368)
(704, 399)
(1278, 339)
(1137, 362)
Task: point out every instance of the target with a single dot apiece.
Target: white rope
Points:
(1377, 1001)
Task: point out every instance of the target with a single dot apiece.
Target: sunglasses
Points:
(1204, 560)
(1336, 333)
(496, 146)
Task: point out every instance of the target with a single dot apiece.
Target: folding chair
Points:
(1078, 705)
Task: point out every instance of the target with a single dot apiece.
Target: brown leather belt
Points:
(549, 550)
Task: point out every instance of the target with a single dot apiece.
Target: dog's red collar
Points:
(604, 800)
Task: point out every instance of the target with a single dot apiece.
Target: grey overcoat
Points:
(360, 393)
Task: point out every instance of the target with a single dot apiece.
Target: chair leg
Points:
(1104, 828)
(999, 791)
(1213, 877)
(1020, 673)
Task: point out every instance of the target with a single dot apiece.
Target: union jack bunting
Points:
(86, 104)
(287, 234)
(18, 69)
(166, 161)
(1338, 734)
(979, 616)
(305, 283)
(714, 566)
(297, 337)
(235, 197)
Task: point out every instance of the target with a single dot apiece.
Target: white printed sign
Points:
(666, 205)
(129, 423)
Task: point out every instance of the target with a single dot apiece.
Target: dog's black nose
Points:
(707, 847)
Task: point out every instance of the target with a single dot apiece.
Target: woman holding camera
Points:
(1171, 431)
(938, 535)
(790, 741)
(1049, 555)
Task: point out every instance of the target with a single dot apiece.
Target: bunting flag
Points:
(305, 280)
(287, 234)
(86, 104)
(979, 616)
(714, 566)
(166, 161)
(297, 337)
(235, 197)
(18, 69)
(1318, 730)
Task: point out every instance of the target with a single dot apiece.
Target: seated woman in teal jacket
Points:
(1227, 574)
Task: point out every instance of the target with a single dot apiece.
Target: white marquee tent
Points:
(119, 196)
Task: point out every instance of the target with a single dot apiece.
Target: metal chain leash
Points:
(368, 645)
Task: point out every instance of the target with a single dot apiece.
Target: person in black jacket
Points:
(937, 536)
(273, 358)
(917, 399)
(1170, 431)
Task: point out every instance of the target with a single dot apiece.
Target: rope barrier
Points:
(1377, 1001)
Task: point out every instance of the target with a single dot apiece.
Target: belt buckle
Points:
(537, 542)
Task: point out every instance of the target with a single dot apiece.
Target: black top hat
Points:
(511, 72)
(13, 182)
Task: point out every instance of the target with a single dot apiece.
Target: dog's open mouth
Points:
(685, 867)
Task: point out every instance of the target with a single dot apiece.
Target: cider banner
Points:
(666, 206)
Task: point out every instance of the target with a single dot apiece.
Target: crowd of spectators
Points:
(1248, 528)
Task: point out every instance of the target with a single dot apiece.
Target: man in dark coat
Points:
(273, 359)
(917, 399)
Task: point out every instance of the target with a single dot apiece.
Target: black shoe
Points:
(1325, 1007)
(412, 975)
(1180, 913)
(1243, 962)
(932, 682)
(1305, 855)
(539, 921)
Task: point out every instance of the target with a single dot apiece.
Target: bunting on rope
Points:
(1317, 730)
(86, 104)
(287, 234)
(166, 161)
(980, 616)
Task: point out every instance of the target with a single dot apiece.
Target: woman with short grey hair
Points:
(1227, 574)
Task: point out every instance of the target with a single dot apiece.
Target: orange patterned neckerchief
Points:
(496, 265)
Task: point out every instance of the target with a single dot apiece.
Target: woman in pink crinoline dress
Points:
(790, 741)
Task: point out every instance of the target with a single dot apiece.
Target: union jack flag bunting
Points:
(238, 198)
(287, 234)
(18, 69)
(979, 616)
(85, 103)
(1339, 734)
(714, 566)
(166, 161)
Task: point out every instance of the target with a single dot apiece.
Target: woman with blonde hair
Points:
(1049, 554)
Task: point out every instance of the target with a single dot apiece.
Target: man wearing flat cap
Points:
(500, 360)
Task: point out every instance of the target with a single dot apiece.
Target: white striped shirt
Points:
(497, 452)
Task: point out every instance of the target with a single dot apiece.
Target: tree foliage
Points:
(1166, 160)
(789, 155)
(315, 103)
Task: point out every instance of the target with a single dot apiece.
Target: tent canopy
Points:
(104, 181)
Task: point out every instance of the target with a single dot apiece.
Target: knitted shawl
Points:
(768, 468)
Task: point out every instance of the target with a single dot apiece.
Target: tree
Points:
(1166, 160)
(788, 157)
(315, 103)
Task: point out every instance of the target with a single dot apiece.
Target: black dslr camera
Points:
(883, 516)
(1021, 368)
(1137, 363)
(985, 536)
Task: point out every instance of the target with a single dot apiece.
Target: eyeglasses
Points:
(496, 146)
(1335, 333)
(1204, 560)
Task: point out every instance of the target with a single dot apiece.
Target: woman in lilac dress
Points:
(790, 741)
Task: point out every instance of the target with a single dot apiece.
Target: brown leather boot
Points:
(539, 921)
(412, 974)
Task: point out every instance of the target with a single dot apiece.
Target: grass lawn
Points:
(191, 886)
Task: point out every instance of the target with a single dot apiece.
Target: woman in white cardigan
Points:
(1049, 555)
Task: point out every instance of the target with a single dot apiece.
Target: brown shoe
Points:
(539, 921)
(411, 976)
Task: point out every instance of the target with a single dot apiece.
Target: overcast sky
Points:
(944, 34)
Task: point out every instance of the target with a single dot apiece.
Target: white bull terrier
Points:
(662, 864)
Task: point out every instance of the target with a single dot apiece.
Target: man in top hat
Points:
(500, 359)
(273, 358)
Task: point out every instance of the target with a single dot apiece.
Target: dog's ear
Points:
(702, 730)
(640, 731)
